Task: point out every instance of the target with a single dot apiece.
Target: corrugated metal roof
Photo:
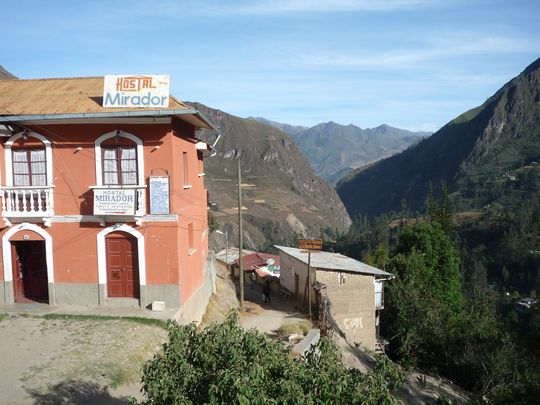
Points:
(232, 256)
(76, 95)
(257, 259)
(334, 261)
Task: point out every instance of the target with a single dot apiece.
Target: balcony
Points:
(115, 201)
(27, 202)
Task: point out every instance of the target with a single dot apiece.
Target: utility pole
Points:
(309, 281)
(240, 236)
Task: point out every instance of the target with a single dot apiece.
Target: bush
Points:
(225, 364)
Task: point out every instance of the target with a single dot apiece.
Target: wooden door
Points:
(30, 280)
(18, 281)
(122, 266)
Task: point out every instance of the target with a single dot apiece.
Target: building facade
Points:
(355, 290)
(100, 206)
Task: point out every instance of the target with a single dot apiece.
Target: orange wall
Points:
(167, 252)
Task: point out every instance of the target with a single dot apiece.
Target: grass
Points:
(3, 316)
(143, 321)
(300, 328)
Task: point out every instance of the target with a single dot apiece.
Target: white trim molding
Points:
(102, 255)
(140, 155)
(6, 249)
(8, 155)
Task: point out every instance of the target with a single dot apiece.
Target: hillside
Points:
(4, 74)
(284, 199)
(333, 150)
(486, 156)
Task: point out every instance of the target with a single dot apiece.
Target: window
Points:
(120, 165)
(186, 170)
(29, 167)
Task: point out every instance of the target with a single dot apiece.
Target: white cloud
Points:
(293, 6)
(440, 49)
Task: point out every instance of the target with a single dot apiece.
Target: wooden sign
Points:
(310, 244)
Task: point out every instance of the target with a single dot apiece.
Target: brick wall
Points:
(353, 305)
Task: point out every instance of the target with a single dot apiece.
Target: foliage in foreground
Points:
(227, 364)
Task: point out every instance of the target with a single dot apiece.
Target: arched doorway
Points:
(29, 266)
(122, 265)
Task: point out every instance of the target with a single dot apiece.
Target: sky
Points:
(413, 64)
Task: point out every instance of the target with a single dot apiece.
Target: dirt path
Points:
(54, 361)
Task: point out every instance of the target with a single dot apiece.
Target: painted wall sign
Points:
(114, 202)
(159, 195)
(136, 91)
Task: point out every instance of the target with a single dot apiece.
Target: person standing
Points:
(266, 291)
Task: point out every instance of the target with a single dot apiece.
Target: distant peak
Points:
(532, 67)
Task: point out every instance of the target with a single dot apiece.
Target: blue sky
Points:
(413, 64)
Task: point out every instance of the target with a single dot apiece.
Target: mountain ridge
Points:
(471, 154)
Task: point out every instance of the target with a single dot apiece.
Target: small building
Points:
(101, 205)
(261, 264)
(355, 290)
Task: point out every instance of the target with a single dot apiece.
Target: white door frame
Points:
(102, 254)
(7, 260)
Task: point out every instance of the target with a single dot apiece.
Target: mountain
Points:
(487, 157)
(290, 129)
(4, 74)
(333, 149)
(284, 198)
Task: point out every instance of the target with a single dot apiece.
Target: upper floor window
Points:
(119, 165)
(119, 160)
(29, 167)
(185, 164)
(28, 158)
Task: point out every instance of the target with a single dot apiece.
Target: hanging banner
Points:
(159, 195)
(121, 91)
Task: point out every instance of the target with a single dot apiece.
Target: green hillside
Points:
(485, 156)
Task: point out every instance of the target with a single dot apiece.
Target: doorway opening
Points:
(30, 282)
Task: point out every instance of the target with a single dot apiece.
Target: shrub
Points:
(225, 364)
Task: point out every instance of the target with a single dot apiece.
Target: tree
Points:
(425, 304)
(225, 364)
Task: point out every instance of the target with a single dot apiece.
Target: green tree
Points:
(425, 304)
(225, 364)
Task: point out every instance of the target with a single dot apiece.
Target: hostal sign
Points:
(136, 91)
(114, 202)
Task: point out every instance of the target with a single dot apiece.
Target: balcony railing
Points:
(137, 208)
(27, 202)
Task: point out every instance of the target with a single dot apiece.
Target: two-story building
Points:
(101, 206)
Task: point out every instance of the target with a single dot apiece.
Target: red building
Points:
(101, 206)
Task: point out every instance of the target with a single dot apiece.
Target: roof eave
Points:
(205, 123)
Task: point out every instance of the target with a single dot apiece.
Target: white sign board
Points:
(159, 195)
(123, 91)
(114, 202)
